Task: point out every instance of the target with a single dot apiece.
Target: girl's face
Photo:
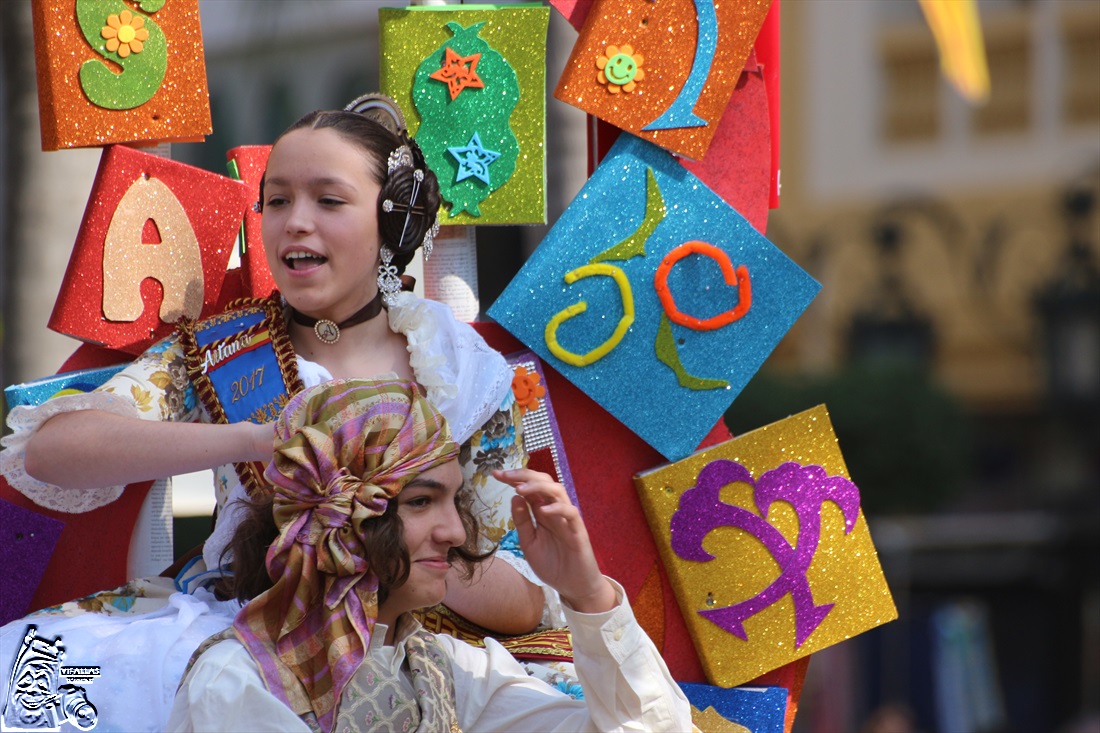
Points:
(320, 223)
(431, 528)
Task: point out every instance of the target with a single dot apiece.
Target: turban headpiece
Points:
(343, 449)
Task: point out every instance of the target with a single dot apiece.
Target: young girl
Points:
(368, 518)
(346, 202)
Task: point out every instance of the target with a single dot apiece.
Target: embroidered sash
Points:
(243, 367)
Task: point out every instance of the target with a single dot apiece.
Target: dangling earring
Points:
(388, 282)
(429, 237)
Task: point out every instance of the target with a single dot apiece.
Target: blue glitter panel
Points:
(36, 392)
(608, 223)
(760, 709)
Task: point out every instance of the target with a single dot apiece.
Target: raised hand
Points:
(555, 541)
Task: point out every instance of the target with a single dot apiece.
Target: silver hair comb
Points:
(402, 157)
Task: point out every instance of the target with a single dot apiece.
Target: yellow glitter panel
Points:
(746, 576)
(156, 93)
(690, 54)
(518, 33)
(711, 721)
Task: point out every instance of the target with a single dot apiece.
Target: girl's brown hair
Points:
(382, 540)
(377, 141)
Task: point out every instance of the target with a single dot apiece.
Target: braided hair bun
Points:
(402, 229)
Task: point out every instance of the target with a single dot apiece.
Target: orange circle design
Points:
(737, 277)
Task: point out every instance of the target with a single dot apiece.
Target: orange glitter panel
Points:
(114, 72)
(662, 71)
(766, 547)
(153, 246)
(251, 162)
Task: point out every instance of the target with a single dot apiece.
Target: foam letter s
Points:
(143, 62)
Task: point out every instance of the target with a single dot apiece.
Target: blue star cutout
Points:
(473, 160)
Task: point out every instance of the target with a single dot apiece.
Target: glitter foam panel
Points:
(153, 245)
(792, 559)
(155, 94)
(408, 36)
(630, 380)
(691, 53)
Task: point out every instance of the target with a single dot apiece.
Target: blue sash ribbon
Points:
(243, 367)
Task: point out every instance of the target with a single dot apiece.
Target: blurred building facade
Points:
(956, 341)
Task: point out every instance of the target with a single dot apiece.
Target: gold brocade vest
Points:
(421, 697)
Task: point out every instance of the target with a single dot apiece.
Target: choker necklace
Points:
(329, 332)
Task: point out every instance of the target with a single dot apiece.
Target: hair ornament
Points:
(381, 108)
(257, 207)
(389, 283)
(402, 157)
(429, 237)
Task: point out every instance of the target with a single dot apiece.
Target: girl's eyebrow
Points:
(427, 483)
(313, 182)
(431, 483)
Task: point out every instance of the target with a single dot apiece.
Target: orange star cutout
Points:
(457, 75)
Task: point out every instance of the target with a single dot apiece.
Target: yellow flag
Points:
(958, 34)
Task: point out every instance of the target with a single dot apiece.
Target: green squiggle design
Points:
(142, 73)
(634, 245)
(667, 354)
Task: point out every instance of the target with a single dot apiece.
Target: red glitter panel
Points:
(124, 292)
(603, 457)
(90, 356)
(156, 92)
(251, 163)
(91, 552)
(739, 164)
(543, 460)
(232, 289)
(767, 54)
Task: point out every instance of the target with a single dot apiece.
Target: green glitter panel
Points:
(515, 33)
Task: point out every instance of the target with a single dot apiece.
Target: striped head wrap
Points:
(343, 449)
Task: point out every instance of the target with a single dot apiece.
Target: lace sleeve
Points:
(465, 378)
(154, 387)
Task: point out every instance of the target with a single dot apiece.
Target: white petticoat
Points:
(141, 658)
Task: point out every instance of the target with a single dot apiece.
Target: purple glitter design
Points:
(806, 488)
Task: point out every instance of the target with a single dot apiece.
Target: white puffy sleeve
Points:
(465, 378)
(627, 686)
(224, 692)
(154, 387)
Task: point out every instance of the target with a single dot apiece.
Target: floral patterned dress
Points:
(142, 634)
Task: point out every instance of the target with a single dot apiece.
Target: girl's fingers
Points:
(521, 516)
(517, 476)
(543, 489)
